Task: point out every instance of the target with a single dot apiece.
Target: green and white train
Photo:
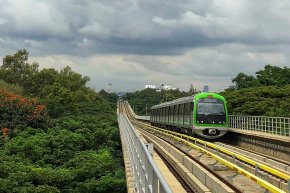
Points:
(204, 114)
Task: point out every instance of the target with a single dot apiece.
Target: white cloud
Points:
(35, 17)
(95, 30)
(2, 21)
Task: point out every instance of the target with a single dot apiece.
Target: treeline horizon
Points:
(266, 94)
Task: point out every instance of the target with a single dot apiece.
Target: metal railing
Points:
(272, 125)
(147, 177)
(147, 118)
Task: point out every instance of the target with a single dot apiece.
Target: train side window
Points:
(186, 108)
(191, 106)
(175, 113)
(171, 110)
(169, 114)
(158, 114)
(175, 109)
(180, 112)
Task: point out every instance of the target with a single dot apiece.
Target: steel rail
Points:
(235, 189)
(257, 164)
(240, 170)
(242, 158)
(260, 165)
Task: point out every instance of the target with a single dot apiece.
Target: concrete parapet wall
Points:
(271, 147)
(198, 177)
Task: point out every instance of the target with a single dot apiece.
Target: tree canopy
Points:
(269, 76)
(58, 135)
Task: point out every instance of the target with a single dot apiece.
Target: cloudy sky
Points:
(131, 43)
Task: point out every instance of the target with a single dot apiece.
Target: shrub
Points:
(17, 112)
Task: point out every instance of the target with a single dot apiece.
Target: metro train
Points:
(204, 114)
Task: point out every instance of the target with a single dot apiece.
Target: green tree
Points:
(16, 69)
(35, 85)
(245, 81)
(274, 76)
(78, 149)
(59, 100)
(192, 90)
(71, 80)
(14, 88)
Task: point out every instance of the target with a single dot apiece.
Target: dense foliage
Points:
(266, 94)
(259, 101)
(17, 112)
(60, 136)
(269, 76)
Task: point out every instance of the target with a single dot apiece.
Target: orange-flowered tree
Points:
(17, 112)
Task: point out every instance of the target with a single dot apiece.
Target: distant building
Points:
(205, 88)
(150, 86)
(162, 87)
(166, 87)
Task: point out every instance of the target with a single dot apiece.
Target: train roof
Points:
(174, 102)
(186, 99)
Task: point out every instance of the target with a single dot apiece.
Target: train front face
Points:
(210, 115)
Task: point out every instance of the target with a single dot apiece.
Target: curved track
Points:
(231, 159)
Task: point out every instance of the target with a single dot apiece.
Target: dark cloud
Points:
(165, 40)
(144, 27)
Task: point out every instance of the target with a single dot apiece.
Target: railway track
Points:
(263, 174)
(182, 181)
(188, 180)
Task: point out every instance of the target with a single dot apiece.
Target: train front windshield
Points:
(210, 107)
(210, 111)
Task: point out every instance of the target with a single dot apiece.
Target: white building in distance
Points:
(150, 86)
(162, 87)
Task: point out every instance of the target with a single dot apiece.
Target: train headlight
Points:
(212, 131)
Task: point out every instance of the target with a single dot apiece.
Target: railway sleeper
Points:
(206, 178)
(262, 174)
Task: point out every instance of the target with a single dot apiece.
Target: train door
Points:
(192, 113)
(180, 114)
(176, 114)
(167, 114)
(187, 113)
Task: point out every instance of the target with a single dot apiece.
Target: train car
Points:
(204, 114)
